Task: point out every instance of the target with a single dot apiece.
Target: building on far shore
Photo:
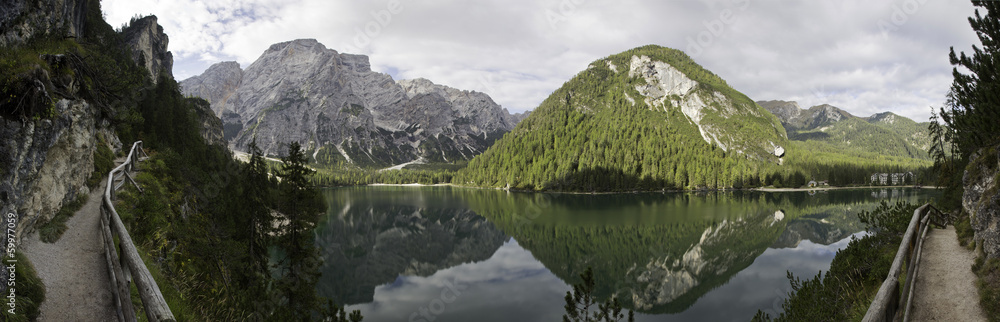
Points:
(893, 179)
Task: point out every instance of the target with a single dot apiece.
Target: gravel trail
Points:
(945, 285)
(73, 268)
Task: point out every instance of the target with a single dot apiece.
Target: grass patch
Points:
(963, 228)
(50, 231)
(30, 292)
(104, 161)
(178, 306)
(989, 286)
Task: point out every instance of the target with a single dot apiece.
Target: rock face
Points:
(217, 84)
(667, 87)
(22, 19)
(45, 163)
(981, 199)
(341, 111)
(211, 125)
(149, 46)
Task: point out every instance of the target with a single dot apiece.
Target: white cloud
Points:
(864, 57)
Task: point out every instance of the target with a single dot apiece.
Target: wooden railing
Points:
(124, 263)
(887, 302)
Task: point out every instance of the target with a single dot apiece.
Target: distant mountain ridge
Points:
(882, 133)
(335, 106)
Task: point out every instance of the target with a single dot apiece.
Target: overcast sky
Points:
(864, 56)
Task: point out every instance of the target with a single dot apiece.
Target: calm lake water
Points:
(456, 254)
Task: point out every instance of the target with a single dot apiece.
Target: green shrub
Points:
(30, 292)
(989, 286)
(50, 231)
(963, 228)
(104, 161)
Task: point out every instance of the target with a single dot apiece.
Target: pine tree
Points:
(255, 205)
(300, 265)
(973, 102)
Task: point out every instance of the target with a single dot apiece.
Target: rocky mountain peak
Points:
(884, 117)
(793, 117)
(149, 46)
(784, 110)
(217, 85)
(342, 111)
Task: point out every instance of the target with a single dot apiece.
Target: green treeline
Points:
(355, 176)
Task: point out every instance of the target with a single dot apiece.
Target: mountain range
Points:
(341, 111)
(826, 127)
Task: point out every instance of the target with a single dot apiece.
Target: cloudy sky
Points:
(861, 55)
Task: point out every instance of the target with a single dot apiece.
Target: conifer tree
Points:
(973, 107)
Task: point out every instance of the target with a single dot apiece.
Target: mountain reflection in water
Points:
(454, 254)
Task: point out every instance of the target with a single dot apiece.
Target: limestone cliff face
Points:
(981, 199)
(341, 111)
(45, 163)
(216, 85)
(149, 46)
(46, 154)
(666, 87)
(22, 19)
(211, 125)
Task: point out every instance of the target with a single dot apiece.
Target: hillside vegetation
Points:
(610, 129)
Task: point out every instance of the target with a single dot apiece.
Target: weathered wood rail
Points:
(124, 263)
(890, 296)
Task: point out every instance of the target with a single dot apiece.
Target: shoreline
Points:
(839, 188)
(761, 189)
(407, 185)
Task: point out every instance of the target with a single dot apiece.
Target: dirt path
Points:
(945, 286)
(74, 269)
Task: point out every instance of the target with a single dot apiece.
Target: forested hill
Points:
(828, 128)
(649, 118)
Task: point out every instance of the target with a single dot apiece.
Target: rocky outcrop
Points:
(334, 105)
(981, 198)
(45, 163)
(23, 19)
(211, 126)
(518, 117)
(149, 47)
(667, 87)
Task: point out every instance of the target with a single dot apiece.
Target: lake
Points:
(457, 254)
